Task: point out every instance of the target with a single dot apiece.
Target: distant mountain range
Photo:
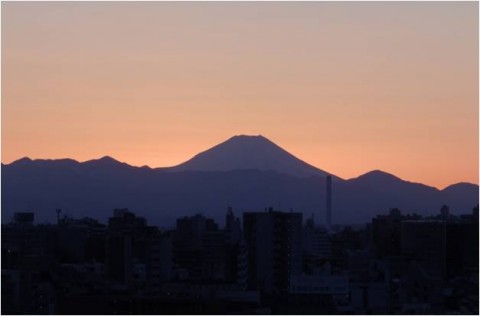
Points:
(248, 173)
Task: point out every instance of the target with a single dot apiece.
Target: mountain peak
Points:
(247, 152)
(250, 140)
(376, 175)
(461, 186)
(105, 160)
(379, 174)
(23, 160)
(26, 161)
(247, 137)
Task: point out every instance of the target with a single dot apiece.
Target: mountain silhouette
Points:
(248, 173)
(249, 153)
(384, 181)
(375, 176)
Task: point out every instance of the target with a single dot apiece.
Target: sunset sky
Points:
(347, 87)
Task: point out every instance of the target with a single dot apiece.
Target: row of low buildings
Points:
(264, 262)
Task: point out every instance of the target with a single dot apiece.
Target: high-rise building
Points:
(187, 245)
(462, 248)
(232, 227)
(315, 240)
(132, 251)
(119, 244)
(424, 241)
(385, 232)
(274, 248)
(203, 252)
(236, 258)
(329, 202)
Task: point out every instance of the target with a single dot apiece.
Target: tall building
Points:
(315, 240)
(119, 244)
(462, 249)
(444, 212)
(385, 233)
(329, 202)
(187, 245)
(317, 248)
(132, 251)
(424, 241)
(236, 263)
(203, 252)
(274, 248)
(232, 227)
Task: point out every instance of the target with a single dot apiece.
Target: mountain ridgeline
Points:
(248, 173)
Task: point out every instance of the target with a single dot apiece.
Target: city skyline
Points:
(346, 87)
(270, 261)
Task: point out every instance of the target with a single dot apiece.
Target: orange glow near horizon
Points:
(347, 87)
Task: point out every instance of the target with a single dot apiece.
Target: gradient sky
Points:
(347, 87)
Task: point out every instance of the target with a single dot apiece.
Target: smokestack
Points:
(329, 202)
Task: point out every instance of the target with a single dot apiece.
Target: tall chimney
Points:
(329, 201)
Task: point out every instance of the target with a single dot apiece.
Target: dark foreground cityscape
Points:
(267, 262)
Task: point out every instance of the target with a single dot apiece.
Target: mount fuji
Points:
(249, 153)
